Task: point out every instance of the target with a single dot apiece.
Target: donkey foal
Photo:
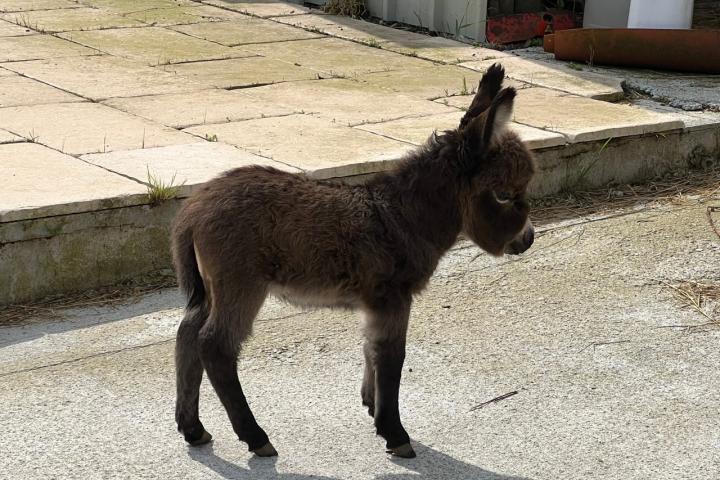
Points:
(256, 231)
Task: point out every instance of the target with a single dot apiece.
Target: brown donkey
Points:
(256, 231)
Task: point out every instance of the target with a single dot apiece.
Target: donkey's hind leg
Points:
(189, 372)
(230, 323)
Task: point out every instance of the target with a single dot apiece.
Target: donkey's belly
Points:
(303, 297)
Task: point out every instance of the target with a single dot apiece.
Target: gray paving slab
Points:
(7, 137)
(183, 14)
(685, 91)
(53, 21)
(348, 28)
(426, 80)
(416, 130)
(130, 6)
(154, 45)
(9, 29)
(346, 102)
(693, 120)
(334, 56)
(240, 72)
(35, 47)
(557, 76)
(182, 110)
(28, 5)
(437, 49)
(16, 90)
(78, 128)
(582, 119)
(245, 30)
(320, 147)
(39, 181)
(260, 8)
(602, 392)
(188, 165)
(444, 50)
(103, 77)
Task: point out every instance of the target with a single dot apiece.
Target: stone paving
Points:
(323, 100)
(120, 87)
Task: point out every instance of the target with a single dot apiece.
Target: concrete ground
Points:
(610, 383)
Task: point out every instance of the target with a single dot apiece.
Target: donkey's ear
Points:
(487, 90)
(484, 130)
(498, 115)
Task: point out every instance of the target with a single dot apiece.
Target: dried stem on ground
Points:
(54, 307)
(688, 188)
(703, 297)
(349, 8)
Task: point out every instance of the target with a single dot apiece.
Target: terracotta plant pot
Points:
(679, 50)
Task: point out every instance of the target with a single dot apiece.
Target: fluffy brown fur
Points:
(257, 231)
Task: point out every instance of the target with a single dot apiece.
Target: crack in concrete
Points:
(260, 117)
(94, 355)
(126, 349)
(80, 5)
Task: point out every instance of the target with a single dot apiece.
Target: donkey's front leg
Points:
(386, 332)
(367, 391)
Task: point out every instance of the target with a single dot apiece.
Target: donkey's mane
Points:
(429, 166)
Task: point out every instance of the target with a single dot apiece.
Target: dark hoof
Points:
(204, 438)
(266, 450)
(404, 451)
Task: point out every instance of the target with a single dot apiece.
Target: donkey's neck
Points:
(422, 194)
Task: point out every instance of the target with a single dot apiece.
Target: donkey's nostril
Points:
(529, 237)
(522, 242)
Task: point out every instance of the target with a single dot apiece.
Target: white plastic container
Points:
(661, 14)
(606, 13)
(465, 18)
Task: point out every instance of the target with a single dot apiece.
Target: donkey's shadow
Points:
(259, 468)
(430, 464)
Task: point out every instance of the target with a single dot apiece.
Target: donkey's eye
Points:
(503, 197)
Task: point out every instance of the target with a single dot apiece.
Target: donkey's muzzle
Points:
(522, 242)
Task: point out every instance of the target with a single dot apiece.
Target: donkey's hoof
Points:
(266, 450)
(204, 438)
(405, 451)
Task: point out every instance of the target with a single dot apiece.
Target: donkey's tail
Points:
(186, 267)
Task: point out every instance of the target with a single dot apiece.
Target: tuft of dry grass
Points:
(703, 297)
(348, 8)
(686, 188)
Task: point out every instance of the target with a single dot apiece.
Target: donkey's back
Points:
(308, 241)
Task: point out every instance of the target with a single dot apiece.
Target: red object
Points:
(679, 50)
(524, 26)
